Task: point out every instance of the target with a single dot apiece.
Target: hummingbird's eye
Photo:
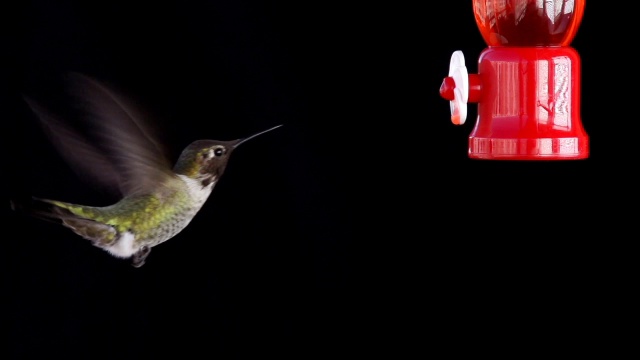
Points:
(218, 151)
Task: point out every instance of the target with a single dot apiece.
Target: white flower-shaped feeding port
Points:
(458, 72)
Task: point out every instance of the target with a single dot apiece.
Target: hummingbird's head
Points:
(204, 160)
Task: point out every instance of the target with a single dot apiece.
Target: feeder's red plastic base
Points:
(529, 107)
(529, 149)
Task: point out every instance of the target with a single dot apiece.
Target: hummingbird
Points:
(157, 200)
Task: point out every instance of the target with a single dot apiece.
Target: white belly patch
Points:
(124, 247)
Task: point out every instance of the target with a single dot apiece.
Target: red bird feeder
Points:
(528, 82)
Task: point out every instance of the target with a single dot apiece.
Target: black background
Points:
(358, 228)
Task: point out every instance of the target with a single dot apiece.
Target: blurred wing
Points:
(128, 139)
(125, 151)
(84, 158)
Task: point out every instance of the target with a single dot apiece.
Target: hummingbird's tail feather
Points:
(37, 208)
(44, 209)
(60, 213)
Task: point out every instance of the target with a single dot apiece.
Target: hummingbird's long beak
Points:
(240, 141)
